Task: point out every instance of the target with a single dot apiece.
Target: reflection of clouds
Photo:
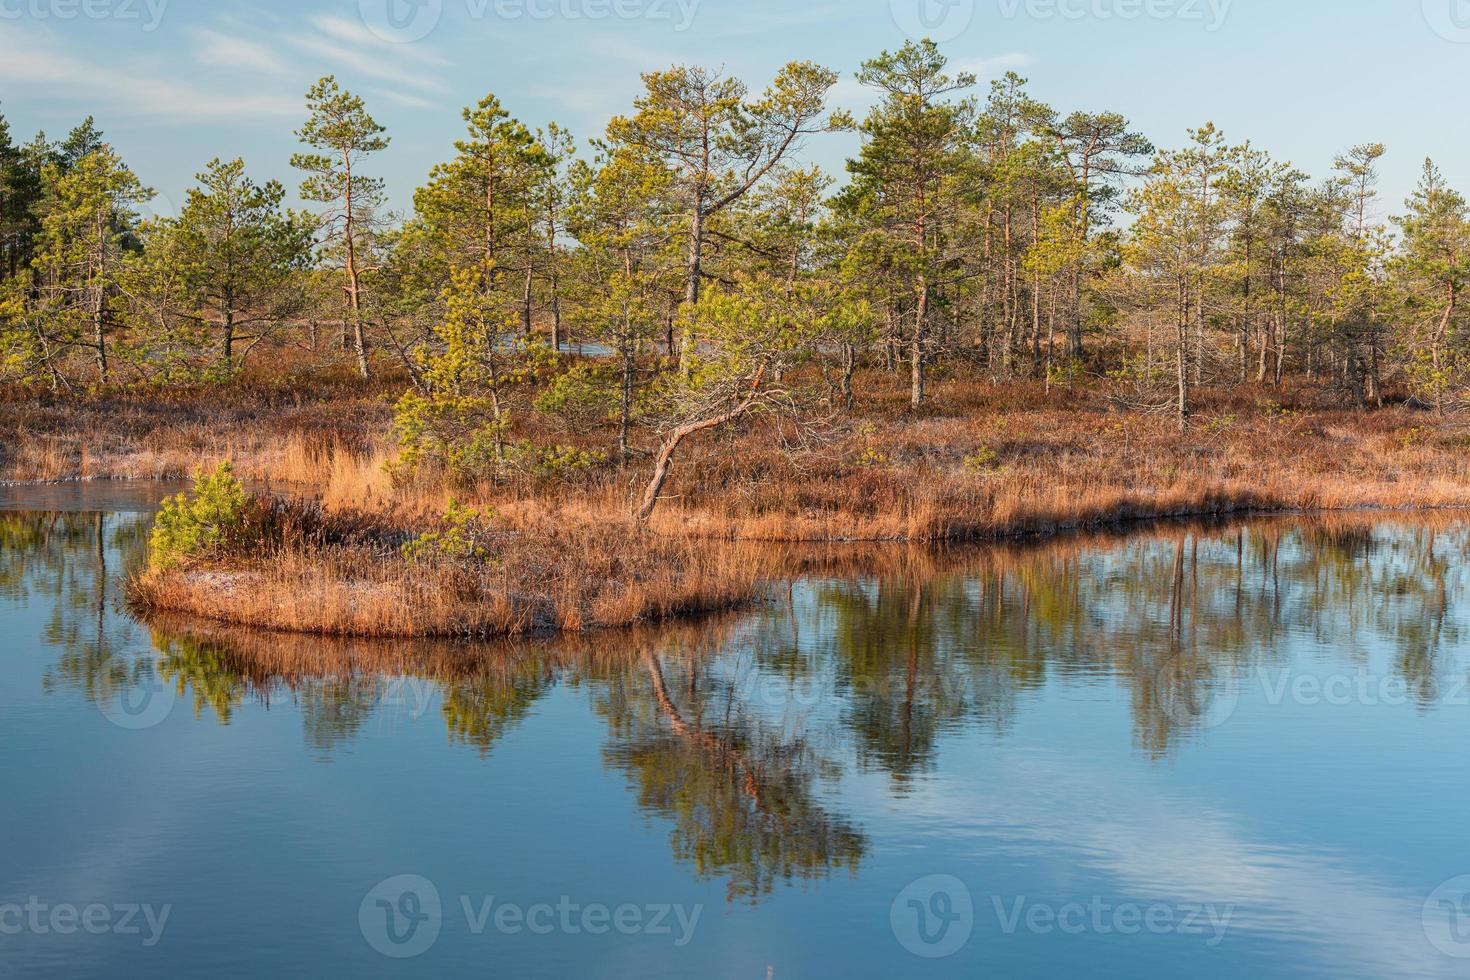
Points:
(1177, 849)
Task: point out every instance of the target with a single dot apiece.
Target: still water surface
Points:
(1194, 751)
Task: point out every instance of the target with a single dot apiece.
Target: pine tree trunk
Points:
(916, 350)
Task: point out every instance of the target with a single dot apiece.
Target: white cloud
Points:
(403, 98)
(590, 99)
(641, 57)
(27, 60)
(356, 33)
(748, 26)
(373, 64)
(1177, 848)
(988, 68)
(852, 95)
(223, 51)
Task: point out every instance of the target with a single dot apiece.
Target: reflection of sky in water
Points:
(1113, 718)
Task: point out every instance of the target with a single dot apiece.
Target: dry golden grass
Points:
(277, 432)
(553, 577)
(982, 461)
(987, 470)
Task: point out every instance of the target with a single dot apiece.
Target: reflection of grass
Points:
(741, 795)
(927, 642)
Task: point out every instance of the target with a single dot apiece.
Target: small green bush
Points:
(554, 462)
(193, 524)
(462, 539)
(982, 461)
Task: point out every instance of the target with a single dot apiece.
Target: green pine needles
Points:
(195, 524)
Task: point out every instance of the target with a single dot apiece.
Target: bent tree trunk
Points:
(676, 439)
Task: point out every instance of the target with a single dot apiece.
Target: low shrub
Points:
(198, 523)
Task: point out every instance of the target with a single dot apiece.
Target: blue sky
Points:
(175, 82)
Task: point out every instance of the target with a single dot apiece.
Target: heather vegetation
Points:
(1003, 317)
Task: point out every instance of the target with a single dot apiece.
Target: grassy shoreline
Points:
(997, 462)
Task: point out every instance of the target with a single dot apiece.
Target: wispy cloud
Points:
(403, 98)
(578, 98)
(353, 32)
(987, 68)
(26, 58)
(767, 23)
(224, 51)
(349, 45)
(641, 57)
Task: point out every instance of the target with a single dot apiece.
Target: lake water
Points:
(1201, 751)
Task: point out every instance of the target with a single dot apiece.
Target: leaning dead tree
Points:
(749, 346)
(739, 406)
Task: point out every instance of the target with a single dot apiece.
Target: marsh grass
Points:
(303, 568)
(984, 461)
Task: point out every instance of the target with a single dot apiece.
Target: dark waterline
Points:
(1202, 751)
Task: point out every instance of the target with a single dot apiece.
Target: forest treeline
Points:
(718, 275)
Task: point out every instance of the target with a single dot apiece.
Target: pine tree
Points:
(719, 144)
(481, 209)
(460, 416)
(341, 128)
(84, 234)
(1176, 248)
(911, 178)
(1099, 150)
(1434, 268)
(238, 252)
(625, 288)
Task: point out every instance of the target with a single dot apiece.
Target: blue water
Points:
(1203, 751)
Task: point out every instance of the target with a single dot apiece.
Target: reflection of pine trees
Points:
(203, 670)
(481, 710)
(740, 792)
(740, 795)
(894, 650)
(899, 660)
(1176, 615)
(71, 565)
(334, 708)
